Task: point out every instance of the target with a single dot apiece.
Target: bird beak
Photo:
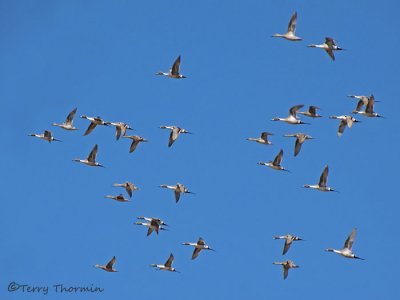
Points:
(286, 170)
(212, 249)
(57, 140)
(301, 122)
(359, 258)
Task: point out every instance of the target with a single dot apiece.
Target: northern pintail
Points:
(263, 139)
(109, 266)
(344, 121)
(288, 241)
(300, 139)
(135, 141)
(94, 121)
(276, 163)
(286, 266)
(120, 128)
(178, 190)
(292, 118)
(128, 186)
(68, 124)
(153, 225)
(47, 136)
(321, 186)
(347, 251)
(91, 159)
(369, 109)
(167, 266)
(175, 132)
(291, 33)
(119, 198)
(174, 71)
(200, 245)
(311, 112)
(329, 46)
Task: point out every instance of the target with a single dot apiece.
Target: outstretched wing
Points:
(92, 154)
(168, 263)
(324, 177)
(278, 158)
(293, 110)
(370, 105)
(292, 23)
(297, 147)
(111, 263)
(176, 66)
(350, 240)
(196, 252)
(90, 128)
(71, 116)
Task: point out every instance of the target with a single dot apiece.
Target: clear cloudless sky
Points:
(102, 56)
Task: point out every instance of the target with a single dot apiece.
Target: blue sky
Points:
(101, 57)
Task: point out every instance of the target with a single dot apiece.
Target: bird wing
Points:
(128, 189)
(177, 196)
(176, 66)
(47, 134)
(285, 272)
(133, 146)
(330, 53)
(149, 231)
(342, 126)
(297, 147)
(330, 42)
(173, 136)
(70, 116)
(313, 110)
(111, 263)
(264, 135)
(278, 158)
(293, 110)
(117, 132)
(349, 241)
(168, 263)
(292, 23)
(370, 105)
(286, 246)
(90, 128)
(324, 177)
(92, 154)
(359, 105)
(196, 252)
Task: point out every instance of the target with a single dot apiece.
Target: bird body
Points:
(68, 124)
(329, 46)
(321, 186)
(292, 118)
(263, 139)
(347, 251)
(300, 139)
(175, 132)
(178, 189)
(198, 246)
(290, 35)
(276, 163)
(47, 136)
(135, 141)
(109, 266)
(286, 266)
(174, 71)
(91, 159)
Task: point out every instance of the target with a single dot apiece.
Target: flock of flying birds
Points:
(156, 224)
